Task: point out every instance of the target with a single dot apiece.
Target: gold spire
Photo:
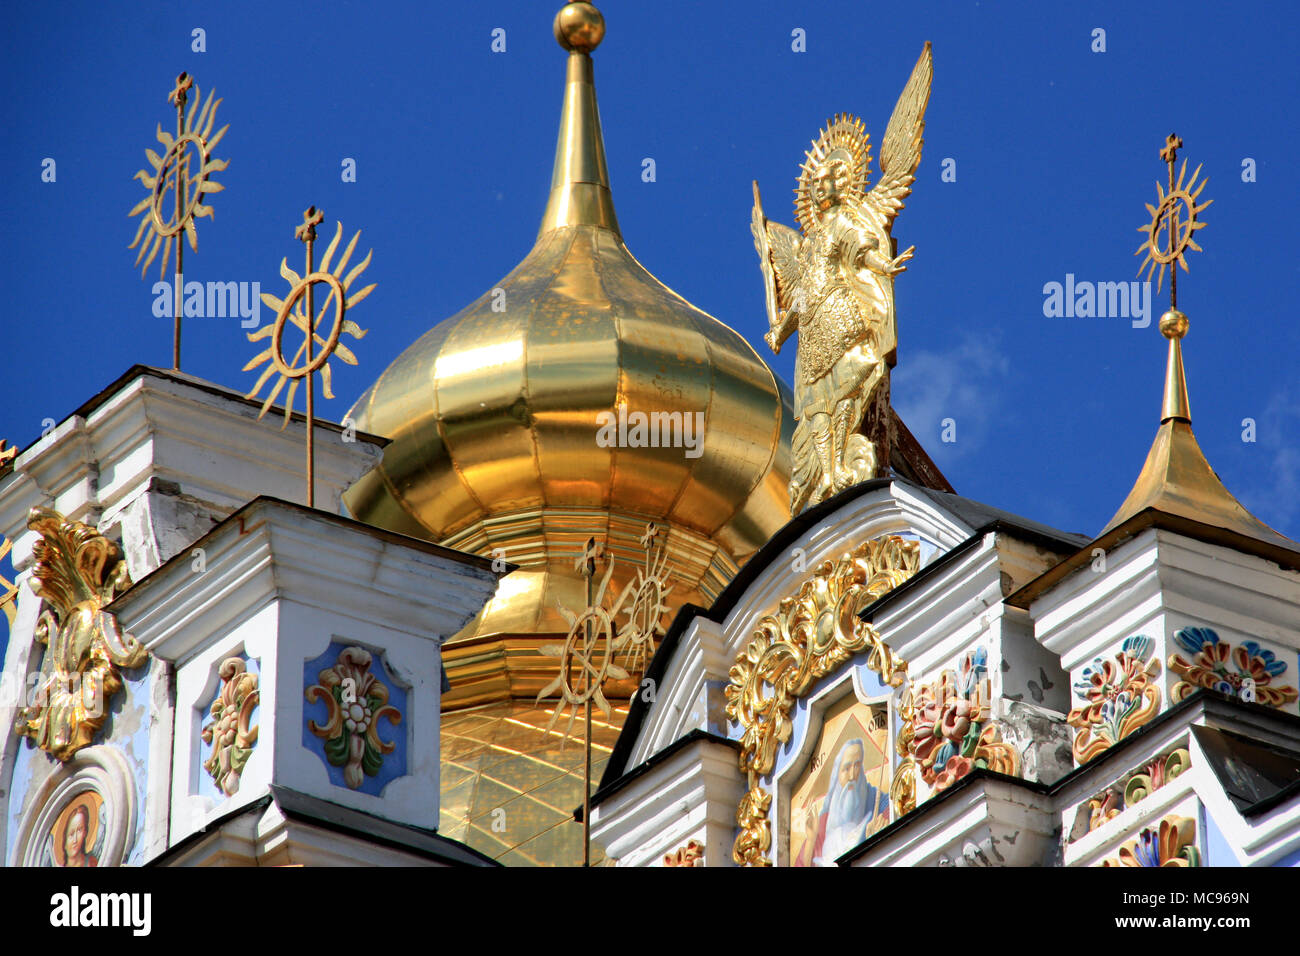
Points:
(580, 192)
(1176, 478)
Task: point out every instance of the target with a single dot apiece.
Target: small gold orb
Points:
(1173, 324)
(579, 26)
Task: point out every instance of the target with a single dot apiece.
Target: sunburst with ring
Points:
(193, 132)
(1174, 219)
(292, 309)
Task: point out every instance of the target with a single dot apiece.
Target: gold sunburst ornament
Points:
(589, 647)
(295, 308)
(647, 603)
(1174, 222)
(183, 172)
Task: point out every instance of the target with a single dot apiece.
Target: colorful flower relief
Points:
(230, 730)
(355, 700)
(1121, 696)
(951, 731)
(1144, 781)
(1247, 671)
(1173, 844)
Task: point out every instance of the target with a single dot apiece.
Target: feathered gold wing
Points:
(900, 152)
(784, 243)
(778, 255)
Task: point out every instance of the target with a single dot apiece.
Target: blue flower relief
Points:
(1247, 670)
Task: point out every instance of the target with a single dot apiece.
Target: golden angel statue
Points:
(835, 285)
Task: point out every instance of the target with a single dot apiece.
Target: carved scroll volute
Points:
(77, 572)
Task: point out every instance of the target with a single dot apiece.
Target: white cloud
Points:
(963, 383)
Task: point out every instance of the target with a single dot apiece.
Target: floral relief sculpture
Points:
(229, 730)
(1246, 671)
(951, 731)
(1121, 696)
(355, 700)
(1173, 844)
(78, 571)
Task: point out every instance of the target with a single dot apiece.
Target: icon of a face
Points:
(851, 765)
(74, 838)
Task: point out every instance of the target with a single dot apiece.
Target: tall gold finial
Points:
(190, 179)
(1173, 326)
(1176, 479)
(580, 193)
(1170, 234)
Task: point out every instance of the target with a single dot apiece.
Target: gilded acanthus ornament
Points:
(835, 285)
(77, 572)
(688, 854)
(230, 730)
(8, 589)
(816, 631)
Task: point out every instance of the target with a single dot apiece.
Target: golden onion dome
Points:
(514, 422)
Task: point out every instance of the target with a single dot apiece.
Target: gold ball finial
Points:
(1173, 324)
(579, 27)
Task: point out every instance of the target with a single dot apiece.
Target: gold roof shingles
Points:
(510, 786)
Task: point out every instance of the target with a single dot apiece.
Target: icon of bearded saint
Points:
(835, 285)
(852, 804)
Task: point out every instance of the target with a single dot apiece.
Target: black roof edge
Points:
(374, 829)
(996, 526)
(238, 516)
(278, 794)
(695, 735)
(213, 388)
(1114, 754)
(258, 805)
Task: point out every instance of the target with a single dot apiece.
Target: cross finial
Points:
(180, 93)
(311, 217)
(586, 563)
(1172, 145)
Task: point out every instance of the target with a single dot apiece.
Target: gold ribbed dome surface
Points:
(495, 413)
(500, 420)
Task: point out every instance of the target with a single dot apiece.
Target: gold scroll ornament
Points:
(78, 571)
(815, 631)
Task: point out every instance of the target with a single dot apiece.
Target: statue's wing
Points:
(900, 152)
(784, 243)
(778, 256)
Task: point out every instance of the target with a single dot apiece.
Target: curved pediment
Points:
(693, 663)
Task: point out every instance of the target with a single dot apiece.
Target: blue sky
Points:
(1055, 150)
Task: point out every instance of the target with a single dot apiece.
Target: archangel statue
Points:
(835, 285)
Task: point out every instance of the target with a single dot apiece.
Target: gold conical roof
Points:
(1176, 479)
(494, 413)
